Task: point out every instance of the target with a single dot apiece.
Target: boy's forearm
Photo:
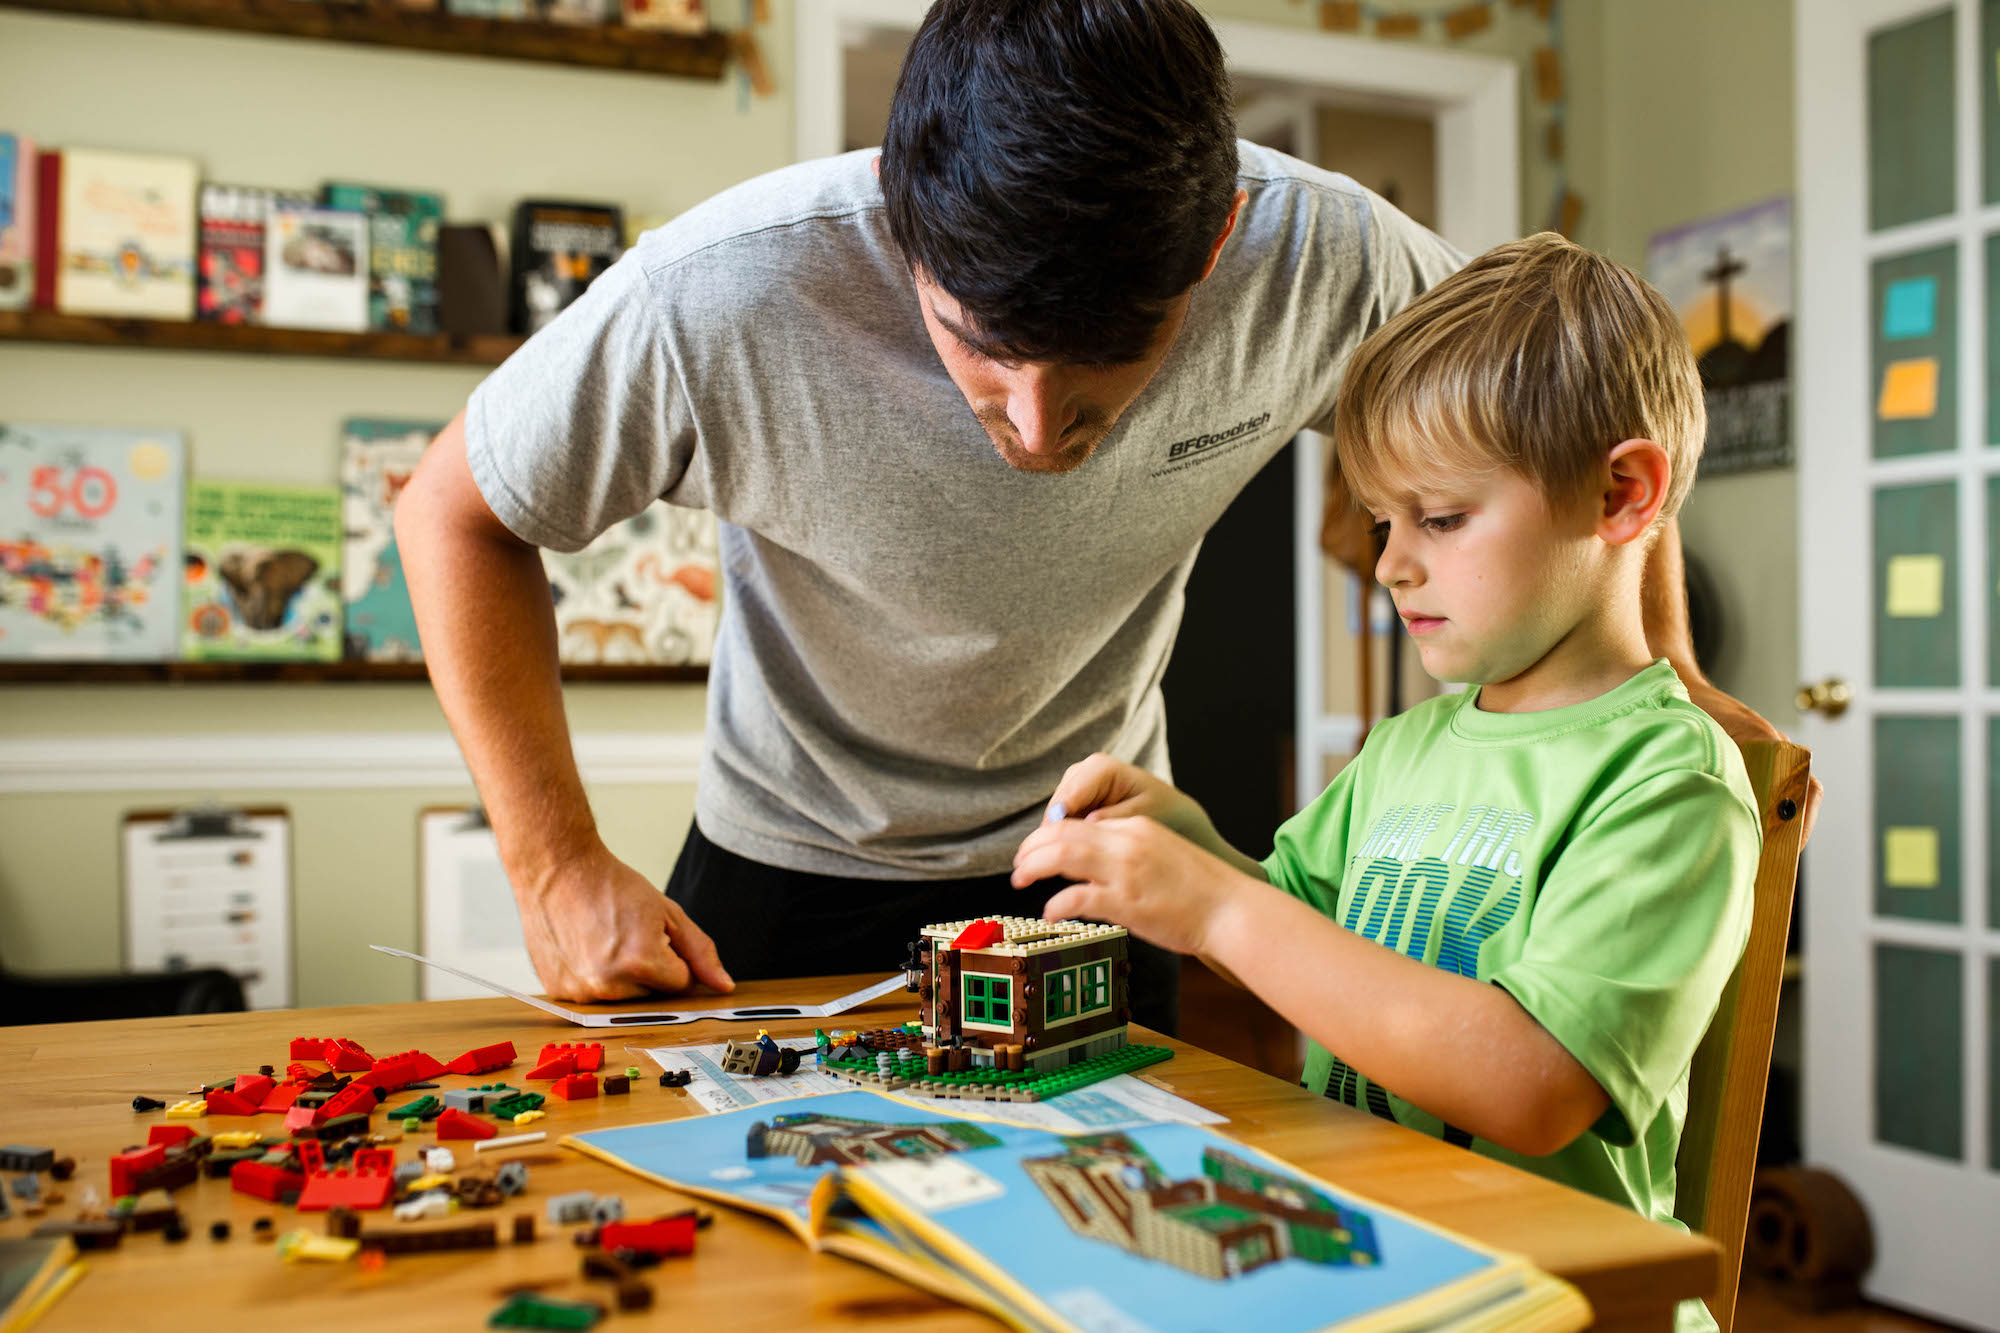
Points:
(1464, 1051)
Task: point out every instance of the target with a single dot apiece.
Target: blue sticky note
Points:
(1910, 309)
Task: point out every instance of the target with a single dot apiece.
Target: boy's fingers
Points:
(1086, 785)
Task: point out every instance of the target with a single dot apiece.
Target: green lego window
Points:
(1096, 986)
(988, 999)
(1061, 1001)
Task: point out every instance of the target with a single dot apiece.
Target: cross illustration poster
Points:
(1730, 279)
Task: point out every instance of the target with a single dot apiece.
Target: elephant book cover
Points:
(262, 573)
(90, 537)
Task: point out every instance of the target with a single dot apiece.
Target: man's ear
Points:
(875, 165)
(1636, 479)
(1215, 251)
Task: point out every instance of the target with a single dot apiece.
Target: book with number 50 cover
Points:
(90, 543)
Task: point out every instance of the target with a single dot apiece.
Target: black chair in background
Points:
(85, 997)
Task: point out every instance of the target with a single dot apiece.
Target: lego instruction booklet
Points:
(1150, 1227)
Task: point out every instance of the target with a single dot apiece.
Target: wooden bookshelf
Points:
(379, 23)
(256, 339)
(238, 673)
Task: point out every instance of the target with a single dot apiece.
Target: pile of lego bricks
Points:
(928, 1072)
(329, 1158)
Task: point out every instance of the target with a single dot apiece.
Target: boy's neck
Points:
(1604, 649)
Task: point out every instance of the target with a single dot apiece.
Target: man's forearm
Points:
(1663, 605)
(483, 608)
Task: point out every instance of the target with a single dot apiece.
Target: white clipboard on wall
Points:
(470, 920)
(211, 887)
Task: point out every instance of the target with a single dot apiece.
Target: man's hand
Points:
(599, 930)
(1742, 724)
(1134, 873)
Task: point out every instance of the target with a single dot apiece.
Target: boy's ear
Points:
(1637, 475)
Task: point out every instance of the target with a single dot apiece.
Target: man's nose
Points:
(1039, 408)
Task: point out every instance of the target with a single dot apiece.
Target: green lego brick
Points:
(527, 1310)
(425, 1107)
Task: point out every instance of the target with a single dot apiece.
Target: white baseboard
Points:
(311, 760)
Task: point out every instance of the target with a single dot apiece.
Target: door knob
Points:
(1829, 698)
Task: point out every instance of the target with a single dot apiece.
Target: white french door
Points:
(1899, 461)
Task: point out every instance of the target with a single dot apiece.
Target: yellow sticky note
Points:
(1916, 586)
(1910, 858)
(1909, 390)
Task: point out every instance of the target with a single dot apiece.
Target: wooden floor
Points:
(1759, 1310)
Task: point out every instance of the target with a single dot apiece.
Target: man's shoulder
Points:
(781, 211)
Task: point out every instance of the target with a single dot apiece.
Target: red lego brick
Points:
(560, 1067)
(254, 1088)
(298, 1073)
(281, 1097)
(354, 1099)
(347, 1056)
(453, 1123)
(344, 1189)
(589, 1055)
(374, 1161)
(665, 1235)
(127, 1167)
(301, 1118)
(405, 1067)
(307, 1048)
(483, 1059)
(576, 1087)
(266, 1182)
(979, 934)
(166, 1136)
(224, 1102)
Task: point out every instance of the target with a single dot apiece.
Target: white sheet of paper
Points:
(715, 1091)
(666, 1017)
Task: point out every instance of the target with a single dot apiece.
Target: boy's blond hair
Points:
(1538, 356)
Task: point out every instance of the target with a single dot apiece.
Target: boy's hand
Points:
(1100, 788)
(1132, 872)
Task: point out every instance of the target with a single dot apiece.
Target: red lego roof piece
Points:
(266, 1182)
(281, 1097)
(350, 1100)
(224, 1102)
(347, 1056)
(166, 1136)
(589, 1055)
(412, 1066)
(576, 1087)
(483, 1059)
(254, 1088)
(453, 1123)
(665, 1235)
(344, 1189)
(301, 1118)
(560, 1067)
(979, 934)
(127, 1166)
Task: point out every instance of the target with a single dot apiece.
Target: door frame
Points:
(1935, 1220)
(1473, 100)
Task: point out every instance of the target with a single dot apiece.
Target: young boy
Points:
(1509, 919)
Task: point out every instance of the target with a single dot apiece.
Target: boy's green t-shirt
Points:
(1595, 861)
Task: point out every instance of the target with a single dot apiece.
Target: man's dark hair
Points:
(1061, 168)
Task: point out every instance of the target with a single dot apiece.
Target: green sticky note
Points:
(1909, 309)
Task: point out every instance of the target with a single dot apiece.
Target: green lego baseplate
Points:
(908, 1074)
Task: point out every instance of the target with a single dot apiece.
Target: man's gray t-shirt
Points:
(916, 638)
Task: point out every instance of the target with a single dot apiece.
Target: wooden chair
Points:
(1718, 1153)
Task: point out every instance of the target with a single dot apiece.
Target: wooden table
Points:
(70, 1086)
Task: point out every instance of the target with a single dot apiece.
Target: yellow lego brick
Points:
(429, 1182)
(187, 1110)
(227, 1139)
(296, 1245)
(529, 1117)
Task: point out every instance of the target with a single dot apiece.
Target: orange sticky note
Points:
(1909, 390)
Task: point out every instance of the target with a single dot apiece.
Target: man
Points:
(964, 412)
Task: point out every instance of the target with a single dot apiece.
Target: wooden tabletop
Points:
(70, 1086)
